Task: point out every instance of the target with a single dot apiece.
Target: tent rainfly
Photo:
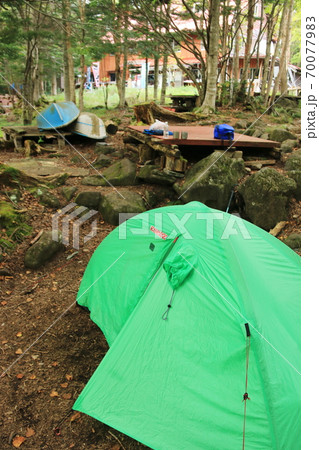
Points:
(201, 310)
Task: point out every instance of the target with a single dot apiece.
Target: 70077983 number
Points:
(310, 47)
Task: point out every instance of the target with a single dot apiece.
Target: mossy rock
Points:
(46, 198)
(241, 124)
(13, 223)
(104, 148)
(102, 161)
(281, 135)
(8, 215)
(266, 196)
(68, 192)
(293, 168)
(94, 180)
(293, 241)
(211, 180)
(288, 145)
(121, 173)
(90, 199)
(43, 250)
(113, 204)
(9, 176)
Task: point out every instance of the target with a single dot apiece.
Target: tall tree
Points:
(69, 79)
(81, 6)
(248, 44)
(281, 79)
(209, 102)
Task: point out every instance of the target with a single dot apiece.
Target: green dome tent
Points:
(201, 310)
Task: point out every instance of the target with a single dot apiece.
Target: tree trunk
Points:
(69, 85)
(224, 40)
(235, 68)
(146, 79)
(165, 57)
(164, 78)
(54, 84)
(156, 70)
(209, 102)
(66, 78)
(249, 39)
(282, 27)
(35, 75)
(81, 5)
(125, 27)
(285, 53)
(266, 67)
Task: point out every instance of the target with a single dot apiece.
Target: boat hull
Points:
(57, 115)
(89, 125)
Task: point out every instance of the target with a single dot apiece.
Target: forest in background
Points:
(41, 39)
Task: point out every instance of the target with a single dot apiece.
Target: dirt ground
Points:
(49, 347)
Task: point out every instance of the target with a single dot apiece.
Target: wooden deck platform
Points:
(19, 134)
(201, 135)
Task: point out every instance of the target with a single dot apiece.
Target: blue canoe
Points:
(57, 115)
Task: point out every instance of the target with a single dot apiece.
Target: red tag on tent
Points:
(159, 233)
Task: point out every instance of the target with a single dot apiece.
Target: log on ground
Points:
(148, 112)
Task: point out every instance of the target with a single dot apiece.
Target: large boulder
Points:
(102, 161)
(211, 180)
(68, 192)
(90, 199)
(121, 173)
(281, 135)
(266, 195)
(46, 198)
(112, 204)
(42, 251)
(293, 168)
(94, 180)
(288, 145)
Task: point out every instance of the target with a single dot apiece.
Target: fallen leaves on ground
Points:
(30, 432)
(67, 396)
(54, 394)
(75, 416)
(17, 441)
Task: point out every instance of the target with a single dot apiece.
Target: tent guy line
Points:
(58, 318)
(234, 142)
(243, 317)
(61, 135)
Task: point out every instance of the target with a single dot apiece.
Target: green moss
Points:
(10, 171)
(14, 227)
(8, 216)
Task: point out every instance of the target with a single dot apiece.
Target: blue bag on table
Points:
(224, 132)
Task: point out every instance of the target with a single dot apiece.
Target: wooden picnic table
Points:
(204, 136)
